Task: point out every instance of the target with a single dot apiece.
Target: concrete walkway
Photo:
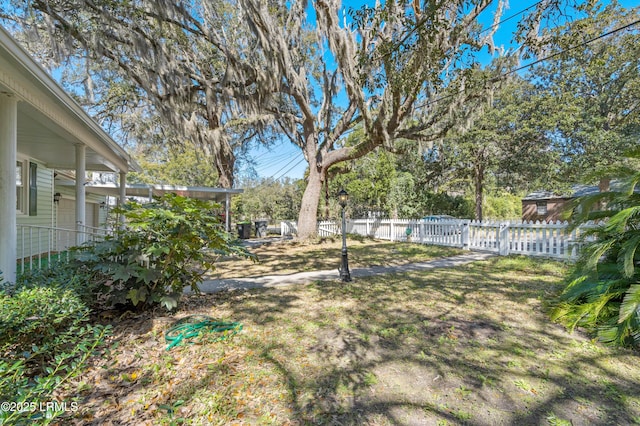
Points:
(212, 286)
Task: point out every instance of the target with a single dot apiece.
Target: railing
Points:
(554, 240)
(39, 246)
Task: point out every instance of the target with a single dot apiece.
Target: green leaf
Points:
(630, 304)
(628, 254)
(149, 275)
(157, 250)
(169, 302)
(137, 295)
(123, 272)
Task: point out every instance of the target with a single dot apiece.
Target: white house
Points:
(43, 132)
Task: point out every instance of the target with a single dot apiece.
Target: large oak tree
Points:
(213, 69)
(382, 70)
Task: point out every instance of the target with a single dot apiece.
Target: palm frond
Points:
(630, 305)
(603, 293)
(621, 221)
(627, 255)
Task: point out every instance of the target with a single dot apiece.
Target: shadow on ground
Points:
(467, 345)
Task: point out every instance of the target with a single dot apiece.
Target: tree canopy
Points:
(219, 75)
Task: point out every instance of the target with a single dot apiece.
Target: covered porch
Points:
(219, 195)
(42, 130)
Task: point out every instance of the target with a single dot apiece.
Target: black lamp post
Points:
(343, 198)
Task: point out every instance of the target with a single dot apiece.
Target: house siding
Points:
(33, 241)
(27, 242)
(93, 202)
(555, 209)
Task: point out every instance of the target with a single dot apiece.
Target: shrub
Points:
(45, 340)
(57, 275)
(166, 246)
(603, 293)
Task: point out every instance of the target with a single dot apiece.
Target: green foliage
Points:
(383, 182)
(603, 293)
(269, 199)
(45, 340)
(166, 246)
(59, 276)
(177, 165)
(590, 91)
(502, 205)
(443, 203)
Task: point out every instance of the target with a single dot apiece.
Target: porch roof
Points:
(50, 122)
(144, 190)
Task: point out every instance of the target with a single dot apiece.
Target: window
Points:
(33, 189)
(20, 189)
(541, 208)
(26, 188)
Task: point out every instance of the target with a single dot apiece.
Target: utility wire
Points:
(273, 161)
(508, 18)
(424, 21)
(295, 157)
(292, 167)
(584, 43)
(546, 58)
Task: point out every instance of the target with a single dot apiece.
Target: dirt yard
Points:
(470, 345)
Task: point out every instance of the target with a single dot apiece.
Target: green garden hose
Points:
(196, 326)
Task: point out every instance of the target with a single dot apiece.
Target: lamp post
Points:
(345, 276)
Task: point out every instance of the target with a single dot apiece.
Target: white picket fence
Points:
(553, 240)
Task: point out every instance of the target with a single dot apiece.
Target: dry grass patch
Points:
(286, 257)
(469, 345)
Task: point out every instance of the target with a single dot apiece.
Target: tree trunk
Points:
(479, 189)
(307, 219)
(326, 197)
(224, 163)
(604, 186)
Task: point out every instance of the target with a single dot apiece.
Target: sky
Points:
(286, 160)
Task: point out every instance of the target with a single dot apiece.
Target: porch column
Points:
(80, 193)
(123, 195)
(8, 150)
(227, 209)
(123, 189)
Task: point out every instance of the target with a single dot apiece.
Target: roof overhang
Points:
(51, 123)
(147, 191)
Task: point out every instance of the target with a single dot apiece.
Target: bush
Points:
(59, 276)
(45, 340)
(443, 203)
(44, 315)
(167, 245)
(603, 293)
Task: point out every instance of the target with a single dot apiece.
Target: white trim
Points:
(31, 83)
(8, 159)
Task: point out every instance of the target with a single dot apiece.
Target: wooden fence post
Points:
(503, 239)
(465, 235)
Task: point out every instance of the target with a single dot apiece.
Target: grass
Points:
(288, 257)
(40, 262)
(470, 345)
